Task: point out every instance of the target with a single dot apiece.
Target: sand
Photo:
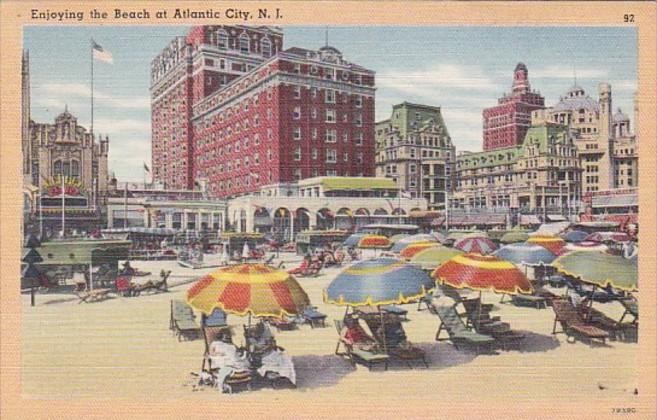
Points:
(123, 348)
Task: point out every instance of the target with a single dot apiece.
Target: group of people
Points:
(261, 354)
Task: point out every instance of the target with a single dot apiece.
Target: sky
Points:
(461, 69)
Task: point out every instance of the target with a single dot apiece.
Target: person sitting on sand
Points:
(353, 334)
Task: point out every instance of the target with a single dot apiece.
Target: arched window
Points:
(75, 169)
(245, 43)
(265, 47)
(57, 167)
(222, 40)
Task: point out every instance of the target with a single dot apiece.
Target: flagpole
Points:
(63, 208)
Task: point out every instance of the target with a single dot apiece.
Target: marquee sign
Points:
(72, 187)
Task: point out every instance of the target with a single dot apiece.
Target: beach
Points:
(123, 348)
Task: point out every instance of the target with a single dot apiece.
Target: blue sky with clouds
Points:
(461, 69)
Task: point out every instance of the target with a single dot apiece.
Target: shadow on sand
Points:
(319, 371)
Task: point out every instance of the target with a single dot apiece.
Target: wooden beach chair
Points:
(396, 310)
(96, 295)
(392, 337)
(157, 286)
(573, 325)
(451, 322)
(631, 308)
(183, 321)
(313, 317)
(480, 320)
(235, 379)
(354, 354)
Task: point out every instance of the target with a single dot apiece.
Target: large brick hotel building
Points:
(506, 124)
(232, 109)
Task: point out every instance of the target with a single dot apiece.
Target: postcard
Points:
(328, 209)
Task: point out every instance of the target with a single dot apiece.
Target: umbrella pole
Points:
(478, 312)
(383, 330)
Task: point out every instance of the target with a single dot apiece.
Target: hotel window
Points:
(245, 44)
(359, 139)
(296, 134)
(329, 96)
(75, 169)
(296, 114)
(345, 117)
(297, 154)
(313, 92)
(331, 155)
(269, 113)
(314, 133)
(315, 172)
(270, 156)
(297, 174)
(222, 40)
(331, 172)
(359, 157)
(265, 47)
(330, 136)
(313, 113)
(297, 68)
(412, 168)
(345, 137)
(314, 153)
(256, 158)
(297, 92)
(330, 115)
(313, 69)
(256, 139)
(270, 134)
(345, 156)
(358, 101)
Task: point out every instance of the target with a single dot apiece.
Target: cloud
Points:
(54, 91)
(138, 128)
(424, 82)
(567, 72)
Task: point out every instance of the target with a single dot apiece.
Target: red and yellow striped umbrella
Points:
(482, 272)
(257, 289)
(412, 249)
(374, 242)
(553, 244)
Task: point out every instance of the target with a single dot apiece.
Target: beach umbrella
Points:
(379, 281)
(574, 236)
(514, 237)
(376, 282)
(551, 243)
(585, 246)
(475, 244)
(399, 236)
(413, 249)
(253, 289)
(432, 258)
(482, 272)
(608, 237)
(352, 240)
(600, 269)
(551, 229)
(525, 253)
(374, 242)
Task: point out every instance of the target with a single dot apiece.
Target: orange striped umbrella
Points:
(553, 244)
(257, 289)
(374, 242)
(412, 249)
(482, 272)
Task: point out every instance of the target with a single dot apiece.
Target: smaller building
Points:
(413, 148)
(321, 203)
(133, 205)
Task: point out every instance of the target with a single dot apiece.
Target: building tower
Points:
(506, 124)
(606, 137)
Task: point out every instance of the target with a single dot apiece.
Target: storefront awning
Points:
(556, 218)
(626, 200)
(529, 219)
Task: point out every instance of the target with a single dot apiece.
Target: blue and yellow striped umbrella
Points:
(380, 281)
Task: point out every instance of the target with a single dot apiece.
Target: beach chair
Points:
(354, 354)
(282, 324)
(96, 295)
(392, 337)
(313, 317)
(235, 379)
(183, 321)
(451, 322)
(157, 286)
(530, 301)
(218, 318)
(300, 269)
(573, 325)
(396, 310)
(631, 306)
(598, 319)
(480, 320)
(425, 300)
